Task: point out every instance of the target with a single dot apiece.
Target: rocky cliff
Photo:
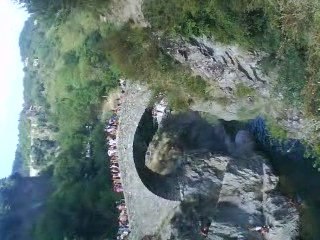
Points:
(234, 196)
(222, 181)
(241, 89)
(43, 145)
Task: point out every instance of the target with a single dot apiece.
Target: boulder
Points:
(235, 195)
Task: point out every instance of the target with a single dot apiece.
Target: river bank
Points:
(298, 178)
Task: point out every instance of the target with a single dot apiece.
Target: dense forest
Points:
(73, 58)
(288, 31)
(66, 74)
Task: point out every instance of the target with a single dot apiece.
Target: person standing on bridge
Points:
(122, 207)
(116, 175)
(114, 166)
(115, 171)
(111, 141)
(111, 152)
(118, 188)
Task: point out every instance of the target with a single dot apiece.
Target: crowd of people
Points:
(111, 132)
(111, 137)
(123, 231)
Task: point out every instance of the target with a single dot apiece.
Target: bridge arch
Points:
(167, 186)
(146, 210)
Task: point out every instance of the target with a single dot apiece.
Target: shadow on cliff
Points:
(191, 133)
(166, 187)
(186, 221)
(194, 134)
(298, 178)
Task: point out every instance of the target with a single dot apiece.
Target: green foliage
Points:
(313, 151)
(48, 7)
(71, 59)
(292, 74)
(226, 21)
(72, 76)
(275, 130)
(21, 209)
(27, 38)
(244, 91)
(33, 89)
(137, 55)
(287, 30)
(24, 146)
(82, 206)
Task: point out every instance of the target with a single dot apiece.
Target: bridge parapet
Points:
(146, 211)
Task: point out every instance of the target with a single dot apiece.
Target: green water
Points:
(298, 180)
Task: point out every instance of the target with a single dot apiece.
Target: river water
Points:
(298, 179)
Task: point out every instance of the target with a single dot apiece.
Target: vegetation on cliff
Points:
(73, 58)
(288, 31)
(66, 74)
(137, 54)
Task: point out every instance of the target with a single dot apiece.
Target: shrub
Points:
(275, 130)
(244, 91)
(137, 55)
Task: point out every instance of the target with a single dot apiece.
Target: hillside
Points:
(22, 201)
(235, 61)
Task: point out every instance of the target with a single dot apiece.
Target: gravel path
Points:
(146, 211)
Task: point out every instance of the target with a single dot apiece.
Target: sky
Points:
(12, 19)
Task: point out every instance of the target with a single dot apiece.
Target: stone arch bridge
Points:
(147, 208)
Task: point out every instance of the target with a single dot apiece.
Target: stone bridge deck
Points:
(146, 211)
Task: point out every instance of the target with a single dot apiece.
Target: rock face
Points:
(44, 147)
(122, 11)
(228, 66)
(162, 157)
(232, 190)
(281, 214)
(241, 90)
(239, 87)
(147, 212)
(234, 195)
(179, 134)
(229, 186)
(203, 176)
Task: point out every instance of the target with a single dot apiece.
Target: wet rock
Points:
(222, 64)
(226, 67)
(203, 175)
(163, 156)
(235, 195)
